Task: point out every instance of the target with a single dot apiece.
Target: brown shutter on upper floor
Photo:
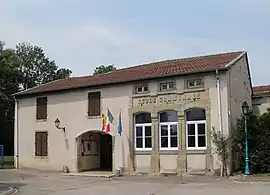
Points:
(42, 108)
(94, 104)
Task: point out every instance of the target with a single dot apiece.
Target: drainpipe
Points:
(16, 136)
(219, 112)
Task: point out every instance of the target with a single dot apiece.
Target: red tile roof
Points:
(146, 71)
(263, 90)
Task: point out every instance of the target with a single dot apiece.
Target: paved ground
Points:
(3, 187)
(41, 183)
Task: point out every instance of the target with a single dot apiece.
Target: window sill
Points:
(41, 120)
(194, 90)
(168, 149)
(168, 152)
(41, 157)
(197, 151)
(143, 152)
(172, 91)
(141, 93)
(137, 95)
(93, 117)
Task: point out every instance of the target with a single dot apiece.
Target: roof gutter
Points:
(21, 94)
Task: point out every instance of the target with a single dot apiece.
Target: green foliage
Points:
(35, 67)
(21, 68)
(258, 129)
(9, 84)
(221, 142)
(104, 69)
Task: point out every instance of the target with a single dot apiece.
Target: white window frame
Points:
(168, 124)
(196, 135)
(167, 84)
(195, 83)
(143, 89)
(143, 125)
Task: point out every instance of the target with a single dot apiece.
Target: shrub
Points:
(258, 129)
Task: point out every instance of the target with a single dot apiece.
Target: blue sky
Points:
(83, 34)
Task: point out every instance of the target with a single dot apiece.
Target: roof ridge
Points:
(160, 61)
(150, 70)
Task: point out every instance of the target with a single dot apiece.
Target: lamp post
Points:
(245, 109)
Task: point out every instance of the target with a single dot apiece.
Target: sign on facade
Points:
(166, 99)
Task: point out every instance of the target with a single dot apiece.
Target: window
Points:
(41, 108)
(167, 86)
(143, 132)
(94, 104)
(196, 128)
(141, 89)
(195, 83)
(41, 144)
(168, 130)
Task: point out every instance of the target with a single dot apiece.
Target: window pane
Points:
(171, 85)
(145, 88)
(191, 141)
(201, 141)
(191, 129)
(147, 130)
(164, 142)
(163, 86)
(173, 129)
(148, 142)
(191, 83)
(139, 131)
(139, 142)
(143, 118)
(174, 141)
(168, 116)
(164, 130)
(195, 114)
(201, 129)
(198, 82)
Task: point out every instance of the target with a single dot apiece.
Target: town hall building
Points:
(168, 111)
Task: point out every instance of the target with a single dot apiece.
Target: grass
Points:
(8, 162)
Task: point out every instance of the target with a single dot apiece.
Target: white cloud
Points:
(83, 45)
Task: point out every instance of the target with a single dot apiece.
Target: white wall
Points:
(71, 109)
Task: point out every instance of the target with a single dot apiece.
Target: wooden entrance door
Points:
(106, 152)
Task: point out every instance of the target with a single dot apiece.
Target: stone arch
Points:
(94, 151)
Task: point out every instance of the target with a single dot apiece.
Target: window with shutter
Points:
(41, 108)
(41, 144)
(94, 104)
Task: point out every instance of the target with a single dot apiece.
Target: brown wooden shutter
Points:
(42, 108)
(45, 144)
(94, 104)
(89, 104)
(38, 146)
(41, 144)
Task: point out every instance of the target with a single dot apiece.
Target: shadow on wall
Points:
(123, 153)
(66, 141)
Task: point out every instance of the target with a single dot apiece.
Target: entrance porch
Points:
(94, 152)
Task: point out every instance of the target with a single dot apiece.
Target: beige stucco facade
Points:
(222, 96)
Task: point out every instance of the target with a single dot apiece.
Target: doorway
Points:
(105, 152)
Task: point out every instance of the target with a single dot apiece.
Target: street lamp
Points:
(245, 110)
(57, 125)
